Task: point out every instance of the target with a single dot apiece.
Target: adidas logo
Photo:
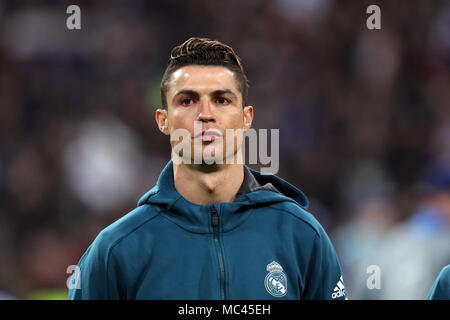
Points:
(339, 290)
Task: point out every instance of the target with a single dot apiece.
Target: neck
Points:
(207, 184)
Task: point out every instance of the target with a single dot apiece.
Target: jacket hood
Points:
(276, 184)
(256, 189)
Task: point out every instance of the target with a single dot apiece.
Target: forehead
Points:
(202, 78)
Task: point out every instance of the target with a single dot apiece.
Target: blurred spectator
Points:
(433, 215)
(369, 197)
(102, 163)
(409, 254)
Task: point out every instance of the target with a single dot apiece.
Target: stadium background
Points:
(364, 123)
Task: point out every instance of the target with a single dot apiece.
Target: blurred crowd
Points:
(364, 119)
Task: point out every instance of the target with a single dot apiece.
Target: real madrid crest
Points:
(275, 281)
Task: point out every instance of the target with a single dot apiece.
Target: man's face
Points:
(207, 97)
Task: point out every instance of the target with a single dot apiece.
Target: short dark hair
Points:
(207, 52)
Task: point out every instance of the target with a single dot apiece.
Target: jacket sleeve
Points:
(324, 279)
(441, 287)
(96, 275)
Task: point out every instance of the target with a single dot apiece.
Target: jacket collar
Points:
(255, 189)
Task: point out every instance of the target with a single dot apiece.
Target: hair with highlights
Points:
(205, 52)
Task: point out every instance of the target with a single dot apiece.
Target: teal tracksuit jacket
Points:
(441, 287)
(264, 245)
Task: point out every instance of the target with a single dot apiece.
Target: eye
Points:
(222, 100)
(187, 101)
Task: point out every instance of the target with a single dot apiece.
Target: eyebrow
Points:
(222, 92)
(215, 93)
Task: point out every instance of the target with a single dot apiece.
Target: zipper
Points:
(215, 225)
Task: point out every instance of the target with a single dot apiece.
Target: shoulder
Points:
(127, 226)
(299, 216)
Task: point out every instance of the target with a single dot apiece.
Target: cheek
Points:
(182, 123)
(237, 120)
(176, 120)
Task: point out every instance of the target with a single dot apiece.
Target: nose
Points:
(205, 114)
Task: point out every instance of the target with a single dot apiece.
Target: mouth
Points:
(209, 135)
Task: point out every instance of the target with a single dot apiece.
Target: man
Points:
(210, 230)
(441, 287)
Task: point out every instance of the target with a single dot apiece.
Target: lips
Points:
(209, 135)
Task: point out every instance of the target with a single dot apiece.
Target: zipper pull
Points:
(215, 217)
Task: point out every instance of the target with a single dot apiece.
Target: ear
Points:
(248, 117)
(162, 121)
